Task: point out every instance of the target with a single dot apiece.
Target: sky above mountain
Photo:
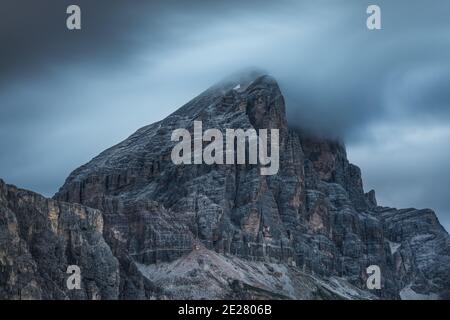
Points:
(67, 95)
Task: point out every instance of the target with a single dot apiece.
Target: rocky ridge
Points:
(312, 220)
(40, 238)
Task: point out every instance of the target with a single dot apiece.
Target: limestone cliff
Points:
(40, 238)
(308, 232)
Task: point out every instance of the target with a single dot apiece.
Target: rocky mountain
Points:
(222, 231)
(40, 238)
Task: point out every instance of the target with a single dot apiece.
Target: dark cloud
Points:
(33, 33)
(407, 164)
(65, 96)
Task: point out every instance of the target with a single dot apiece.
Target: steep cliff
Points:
(40, 238)
(313, 216)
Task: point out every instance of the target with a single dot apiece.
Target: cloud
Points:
(407, 164)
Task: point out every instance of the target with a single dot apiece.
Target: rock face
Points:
(313, 214)
(40, 238)
(307, 232)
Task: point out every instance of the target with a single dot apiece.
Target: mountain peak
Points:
(244, 76)
(313, 215)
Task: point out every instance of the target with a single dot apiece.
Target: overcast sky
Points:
(67, 95)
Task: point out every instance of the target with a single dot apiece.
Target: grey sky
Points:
(65, 96)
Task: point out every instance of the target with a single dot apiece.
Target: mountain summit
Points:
(226, 231)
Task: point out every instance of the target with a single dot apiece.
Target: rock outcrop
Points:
(311, 224)
(40, 238)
